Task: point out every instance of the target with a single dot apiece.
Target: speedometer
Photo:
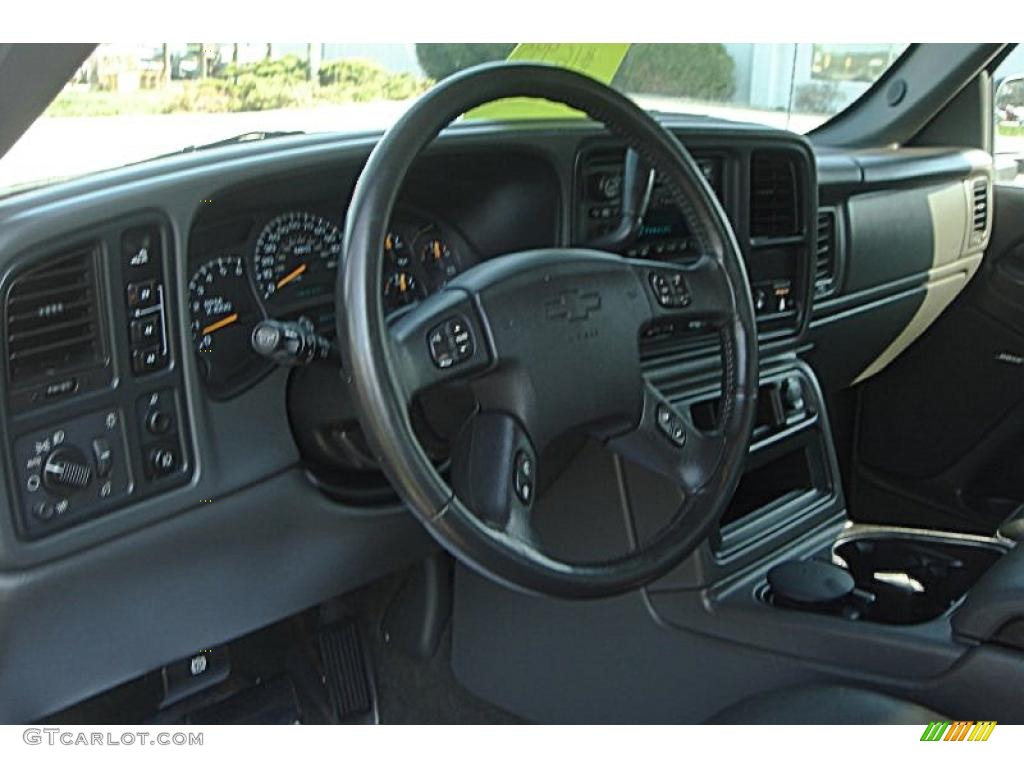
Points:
(296, 257)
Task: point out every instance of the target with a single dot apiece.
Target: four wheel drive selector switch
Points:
(450, 342)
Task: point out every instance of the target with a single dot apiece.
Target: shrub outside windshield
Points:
(129, 103)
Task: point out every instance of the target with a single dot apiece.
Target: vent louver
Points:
(774, 196)
(52, 319)
(825, 254)
(980, 205)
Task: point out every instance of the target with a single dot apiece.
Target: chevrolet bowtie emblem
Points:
(573, 305)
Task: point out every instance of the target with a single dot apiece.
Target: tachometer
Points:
(224, 312)
(296, 256)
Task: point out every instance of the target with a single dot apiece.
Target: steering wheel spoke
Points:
(441, 340)
(695, 293)
(668, 442)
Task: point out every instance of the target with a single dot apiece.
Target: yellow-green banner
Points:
(599, 60)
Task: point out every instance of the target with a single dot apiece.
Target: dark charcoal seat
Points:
(825, 705)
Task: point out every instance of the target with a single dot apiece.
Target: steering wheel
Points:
(548, 340)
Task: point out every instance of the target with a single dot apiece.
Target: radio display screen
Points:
(663, 219)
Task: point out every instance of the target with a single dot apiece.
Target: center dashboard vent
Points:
(52, 318)
(774, 195)
(825, 253)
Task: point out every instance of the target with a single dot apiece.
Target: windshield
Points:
(129, 103)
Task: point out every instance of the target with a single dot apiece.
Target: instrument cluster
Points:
(288, 270)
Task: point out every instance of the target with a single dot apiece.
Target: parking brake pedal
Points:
(346, 674)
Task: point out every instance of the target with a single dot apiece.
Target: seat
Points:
(825, 705)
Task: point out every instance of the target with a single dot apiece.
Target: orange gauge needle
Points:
(224, 321)
(291, 276)
(437, 250)
(402, 283)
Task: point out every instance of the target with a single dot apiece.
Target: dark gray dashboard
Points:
(238, 534)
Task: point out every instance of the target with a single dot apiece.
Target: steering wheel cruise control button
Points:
(670, 289)
(522, 477)
(450, 342)
(671, 425)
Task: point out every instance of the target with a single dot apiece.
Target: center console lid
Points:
(994, 608)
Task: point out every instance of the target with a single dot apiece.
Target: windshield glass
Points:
(129, 103)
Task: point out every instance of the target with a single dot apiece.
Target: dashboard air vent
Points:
(825, 254)
(774, 196)
(980, 205)
(52, 319)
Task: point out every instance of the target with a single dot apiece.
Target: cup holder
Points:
(905, 577)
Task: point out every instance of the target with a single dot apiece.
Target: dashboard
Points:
(161, 334)
(153, 459)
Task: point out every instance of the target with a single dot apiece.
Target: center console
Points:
(788, 574)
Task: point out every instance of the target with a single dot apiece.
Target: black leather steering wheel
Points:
(549, 342)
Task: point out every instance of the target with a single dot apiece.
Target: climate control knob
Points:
(66, 469)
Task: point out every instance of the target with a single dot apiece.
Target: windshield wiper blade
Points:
(241, 138)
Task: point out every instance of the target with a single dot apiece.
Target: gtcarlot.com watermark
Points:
(70, 737)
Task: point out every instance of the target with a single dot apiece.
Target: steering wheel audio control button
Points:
(522, 477)
(670, 289)
(671, 425)
(450, 342)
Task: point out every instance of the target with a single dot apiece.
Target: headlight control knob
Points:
(67, 468)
